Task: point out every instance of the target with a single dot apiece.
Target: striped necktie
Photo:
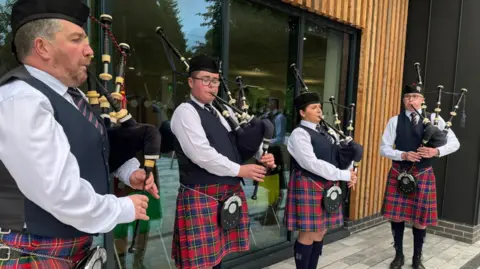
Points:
(210, 109)
(414, 118)
(83, 107)
(327, 135)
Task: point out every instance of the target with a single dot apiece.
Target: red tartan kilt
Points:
(304, 210)
(419, 207)
(198, 240)
(73, 249)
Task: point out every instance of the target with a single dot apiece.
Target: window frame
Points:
(260, 256)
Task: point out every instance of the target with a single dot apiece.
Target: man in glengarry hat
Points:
(402, 143)
(211, 171)
(53, 149)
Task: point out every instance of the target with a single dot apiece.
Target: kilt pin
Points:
(73, 249)
(304, 210)
(419, 207)
(198, 240)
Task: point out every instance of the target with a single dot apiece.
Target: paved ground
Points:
(369, 249)
(373, 248)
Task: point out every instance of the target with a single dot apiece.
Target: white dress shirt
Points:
(301, 149)
(36, 152)
(187, 127)
(390, 134)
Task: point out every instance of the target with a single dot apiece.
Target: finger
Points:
(258, 175)
(415, 154)
(154, 191)
(143, 198)
(143, 217)
(260, 170)
(144, 205)
(257, 179)
(141, 211)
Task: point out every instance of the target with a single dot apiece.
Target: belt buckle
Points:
(5, 231)
(8, 253)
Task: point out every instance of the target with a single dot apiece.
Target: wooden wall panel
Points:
(383, 32)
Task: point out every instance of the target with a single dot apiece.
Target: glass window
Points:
(7, 60)
(153, 91)
(260, 52)
(324, 69)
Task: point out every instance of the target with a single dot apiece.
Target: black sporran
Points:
(332, 199)
(407, 183)
(229, 212)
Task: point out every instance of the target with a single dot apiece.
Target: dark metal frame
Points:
(278, 252)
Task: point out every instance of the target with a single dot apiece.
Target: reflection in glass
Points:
(322, 66)
(7, 60)
(259, 51)
(153, 90)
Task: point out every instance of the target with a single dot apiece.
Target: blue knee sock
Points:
(302, 255)
(316, 253)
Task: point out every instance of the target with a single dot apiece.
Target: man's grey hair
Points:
(44, 28)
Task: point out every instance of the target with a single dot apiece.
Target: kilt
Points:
(304, 210)
(198, 240)
(72, 249)
(419, 207)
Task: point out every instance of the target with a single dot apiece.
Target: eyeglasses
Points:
(415, 96)
(206, 81)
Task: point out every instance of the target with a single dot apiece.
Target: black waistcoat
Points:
(221, 140)
(89, 147)
(323, 149)
(409, 138)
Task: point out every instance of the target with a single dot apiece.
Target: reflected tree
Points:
(7, 60)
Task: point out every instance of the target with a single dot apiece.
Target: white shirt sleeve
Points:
(125, 171)
(301, 149)
(388, 141)
(187, 128)
(36, 152)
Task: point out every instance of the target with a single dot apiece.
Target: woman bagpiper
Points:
(313, 190)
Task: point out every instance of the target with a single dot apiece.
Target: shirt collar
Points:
(196, 101)
(309, 124)
(408, 112)
(48, 79)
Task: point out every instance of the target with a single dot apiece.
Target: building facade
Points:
(349, 49)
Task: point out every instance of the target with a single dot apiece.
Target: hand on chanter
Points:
(140, 202)
(411, 156)
(138, 178)
(353, 178)
(253, 171)
(268, 161)
(426, 152)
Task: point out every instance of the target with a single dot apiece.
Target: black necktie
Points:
(210, 109)
(414, 118)
(322, 131)
(82, 106)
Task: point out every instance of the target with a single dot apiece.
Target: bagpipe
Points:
(249, 131)
(348, 150)
(433, 136)
(126, 136)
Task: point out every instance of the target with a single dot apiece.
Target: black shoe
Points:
(398, 261)
(417, 263)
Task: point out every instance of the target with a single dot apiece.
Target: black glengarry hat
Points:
(24, 11)
(305, 99)
(203, 62)
(412, 88)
